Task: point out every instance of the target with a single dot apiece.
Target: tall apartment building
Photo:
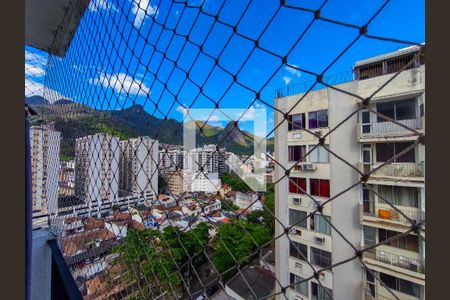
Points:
(208, 158)
(97, 168)
(44, 147)
(138, 169)
(170, 159)
(364, 141)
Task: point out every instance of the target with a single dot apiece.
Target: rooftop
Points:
(260, 281)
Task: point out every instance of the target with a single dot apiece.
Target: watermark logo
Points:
(203, 164)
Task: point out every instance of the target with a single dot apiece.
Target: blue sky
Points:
(111, 63)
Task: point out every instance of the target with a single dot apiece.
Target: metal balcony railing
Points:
(386, 213)
(383, 129)
(303, 87)
(371, 294)
(396, 260)
(394, 169)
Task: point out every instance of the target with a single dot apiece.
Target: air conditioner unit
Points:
(298, 266)
(298, 298)
(310, 167)
(295, 231)
(319, 239)
(297, 201)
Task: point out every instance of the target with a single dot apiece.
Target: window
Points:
(298, 250)
(368, 201)
(369, 236)
(295, 216)
(397, 110)
(318, 119)
(409, 242)
(397, 195)
(386, 151)
(319, 154)
(370, 280)
(320, 292)
(301, 287)
(319, 187)
(319, 223)
(296, 153)
(297, 185)
(401, 285)
(320, 257)
(296, 122)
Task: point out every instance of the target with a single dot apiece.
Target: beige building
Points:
(139, 166)
(44, 147)
(363, 141)
(175, 182)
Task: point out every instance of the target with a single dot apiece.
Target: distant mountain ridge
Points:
(76, 120)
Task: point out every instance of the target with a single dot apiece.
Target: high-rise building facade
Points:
(44, 147)
(139, 159)
(97, 168)
(363, 142)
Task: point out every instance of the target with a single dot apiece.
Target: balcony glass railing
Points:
(396, 260)
(389, 128)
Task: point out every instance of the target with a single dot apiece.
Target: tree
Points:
(240, 239)
(162, 184)
(236, 183)
(151, 254)
(269, 208)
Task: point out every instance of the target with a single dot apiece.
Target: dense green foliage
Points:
(162, 184)
(227, 204)
(152, 254)
(235, 182)
(234, 243)
(268, 212)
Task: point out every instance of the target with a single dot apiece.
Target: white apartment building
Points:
(170, 159)
(44, 148)
(138, 167)
(202, 181)
(97, 168)
(363, 141)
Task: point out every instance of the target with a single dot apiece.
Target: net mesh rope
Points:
(130, 59)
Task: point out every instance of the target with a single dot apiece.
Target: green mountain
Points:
(77, 120)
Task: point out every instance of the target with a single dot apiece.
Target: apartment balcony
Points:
(395, 171)
(370, 293)
(406, 262)
(383, 130)
(381, 212)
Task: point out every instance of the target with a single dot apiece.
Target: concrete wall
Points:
(41, 264)
(281, 200)
(345, 209)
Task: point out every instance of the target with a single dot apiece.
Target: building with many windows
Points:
(138, 168)
(44, 148)
(97, 168)
(386, 131)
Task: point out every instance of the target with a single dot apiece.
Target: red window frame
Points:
(295, 183)
(320, 187)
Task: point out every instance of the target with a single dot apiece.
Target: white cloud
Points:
(142, 10)
(287, 79)
(97, 5)
(293, 71)
(34, 88)
(122, 83)
(259, 105)
(34, 70)
(180, 109)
